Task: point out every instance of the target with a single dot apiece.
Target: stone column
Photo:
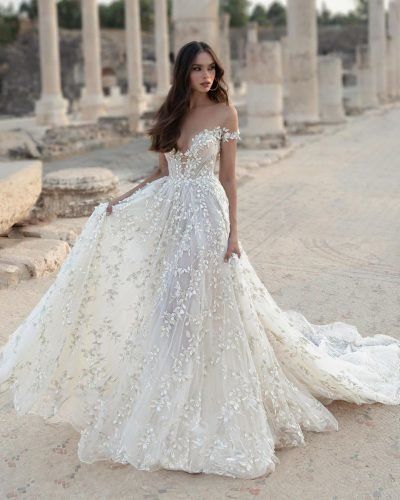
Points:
(285, 73)
(136, 93)
(397, 3)
(392, 51)
(377, 44)
(264, 102)
(196, 20)
(252, 32)
(162, 47)
(92, 102)
(366, 78)
(225, 50)
(303, 112)
(51, 109)
(330, 89)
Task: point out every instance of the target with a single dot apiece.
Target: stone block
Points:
(20, 186)
(29, 258)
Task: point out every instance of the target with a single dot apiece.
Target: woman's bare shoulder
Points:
(226, 114)
(230, 117)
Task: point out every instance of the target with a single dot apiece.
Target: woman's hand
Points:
(233, 247)
(110, 205)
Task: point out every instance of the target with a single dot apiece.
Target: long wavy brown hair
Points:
(166, 129)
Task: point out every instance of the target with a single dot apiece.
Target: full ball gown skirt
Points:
(162, 355)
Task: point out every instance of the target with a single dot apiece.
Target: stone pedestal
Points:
(92, 102)
(75, 192)
(302, 113)
(51, 109)
(196, 20)
(366, 78)
(162, 47)
(330, 89)
(264, 101)
(377, 45)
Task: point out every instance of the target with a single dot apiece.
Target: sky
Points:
(333, 5)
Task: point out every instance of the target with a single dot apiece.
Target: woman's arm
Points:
(227, 177)
(161, 171)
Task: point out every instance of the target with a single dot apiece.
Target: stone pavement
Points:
(321, 227)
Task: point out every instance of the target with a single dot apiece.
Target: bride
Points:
(159, 343)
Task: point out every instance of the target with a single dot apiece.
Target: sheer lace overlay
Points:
(164, 356)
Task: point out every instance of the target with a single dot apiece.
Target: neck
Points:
(199, 99)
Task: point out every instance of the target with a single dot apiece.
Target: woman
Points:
(159, 343)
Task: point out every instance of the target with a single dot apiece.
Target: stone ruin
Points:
(288, 89)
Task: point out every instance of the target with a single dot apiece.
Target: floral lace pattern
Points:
(164, 356)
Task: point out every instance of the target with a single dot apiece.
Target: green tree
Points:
(31, 8)
(9, 25)
(69, 14)
(361, 10)
(113, 15)
(277, 14)
(238, 10)
(259, 15)
(324, 16)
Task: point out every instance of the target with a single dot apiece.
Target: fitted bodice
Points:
(201, 157)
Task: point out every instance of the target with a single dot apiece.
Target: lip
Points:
(205, 84)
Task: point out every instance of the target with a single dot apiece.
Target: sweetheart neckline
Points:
(184, 153)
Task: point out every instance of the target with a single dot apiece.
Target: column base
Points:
(51, 110)
(334, 118)
(306, 128)
(92, 107)
(265, 141)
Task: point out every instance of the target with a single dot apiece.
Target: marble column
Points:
(225, 51)
(136, 92)
(92, 101)
(392, 50)
(252, 32)
(330, 89)
(162, 47)
(285, 73)
(264, 101)
(303, 112)
(377, 44)
(196, 20)
(397, 3)
(366, 78)
(51, 109)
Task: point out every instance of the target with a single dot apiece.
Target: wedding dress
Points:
(162, 355)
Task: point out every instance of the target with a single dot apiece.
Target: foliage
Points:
(69, 14)
(9, 25)
(275, 15)
(113, 15)
(357, 16)
(238, 11)
(31, 8)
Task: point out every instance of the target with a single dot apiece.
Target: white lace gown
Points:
(162, 355)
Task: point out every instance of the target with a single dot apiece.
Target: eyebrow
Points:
(197, 64)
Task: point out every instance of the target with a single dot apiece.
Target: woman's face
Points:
(202, 72)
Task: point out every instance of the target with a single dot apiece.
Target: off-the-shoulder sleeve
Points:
(227, 134)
